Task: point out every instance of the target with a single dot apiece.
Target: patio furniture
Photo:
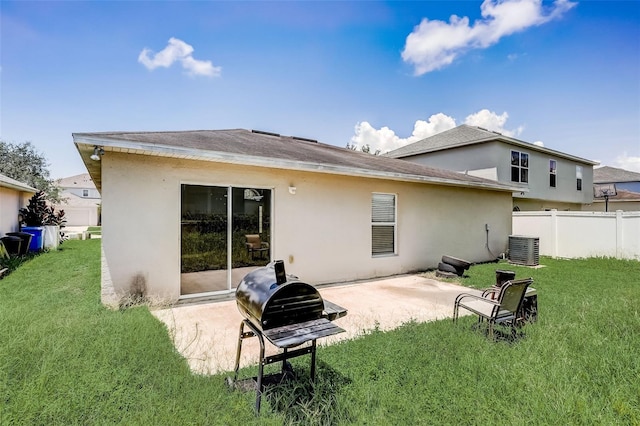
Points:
(4, 254)
(256, 245)
(26, 241)
(496, 306)
(13, 245)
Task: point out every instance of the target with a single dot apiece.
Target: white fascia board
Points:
(241, 159)
(7, 182)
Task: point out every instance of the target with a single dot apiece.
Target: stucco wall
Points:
(498, 155)
(525, 204)
(600, 206)
(10, 202)
(322, 232)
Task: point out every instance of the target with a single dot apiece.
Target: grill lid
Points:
(269, 298)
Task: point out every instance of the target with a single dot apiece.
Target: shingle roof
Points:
(608, 174)
(78, 181)
(470, 135)
(241, 146)
(457, 136)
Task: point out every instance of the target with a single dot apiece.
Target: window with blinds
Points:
(383, 224)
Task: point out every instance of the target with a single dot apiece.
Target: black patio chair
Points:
(496, 306)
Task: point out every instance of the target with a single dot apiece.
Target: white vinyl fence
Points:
(582, 234)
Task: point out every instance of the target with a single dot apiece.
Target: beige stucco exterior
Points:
(600, 206)
(11, 201)
(322, 232)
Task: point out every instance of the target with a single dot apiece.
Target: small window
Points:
(519, 167)
(579, 178)
(85, 192)
(383, 224)
(552, 173)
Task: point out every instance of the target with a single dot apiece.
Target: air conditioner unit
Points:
(524, 250)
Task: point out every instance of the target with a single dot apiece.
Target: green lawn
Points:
(64, 359)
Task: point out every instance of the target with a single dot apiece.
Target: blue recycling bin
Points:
(37, 241)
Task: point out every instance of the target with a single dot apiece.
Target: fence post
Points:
(554, 233)
(619, 235)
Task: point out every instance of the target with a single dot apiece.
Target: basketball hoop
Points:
(605, 190)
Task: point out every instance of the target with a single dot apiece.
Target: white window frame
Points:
(382, 221)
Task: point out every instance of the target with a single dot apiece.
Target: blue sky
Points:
(565, 74)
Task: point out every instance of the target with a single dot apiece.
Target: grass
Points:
(64, 359)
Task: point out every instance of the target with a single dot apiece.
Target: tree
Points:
(24, 163)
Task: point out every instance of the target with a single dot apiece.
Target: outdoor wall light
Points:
(97, 152)
(292, 190)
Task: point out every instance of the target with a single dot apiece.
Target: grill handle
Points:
(281, 275)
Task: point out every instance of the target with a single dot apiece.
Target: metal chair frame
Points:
(505, 309)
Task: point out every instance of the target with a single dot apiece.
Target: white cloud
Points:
(386, 139)
(628, 162)
(178, 50)
(435, 44)
(492, 121)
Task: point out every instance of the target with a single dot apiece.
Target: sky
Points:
(562, 74)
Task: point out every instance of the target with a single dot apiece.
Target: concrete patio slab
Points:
(207, 334)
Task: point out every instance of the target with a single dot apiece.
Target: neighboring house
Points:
(546, 179)
(81, 200)
(627, 184)
(14, 195)
(177, 207)
(624, 200)
(623, 179)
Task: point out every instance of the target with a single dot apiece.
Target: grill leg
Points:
(240, 338)
(284, 362)
(260, 372)
(313, 361)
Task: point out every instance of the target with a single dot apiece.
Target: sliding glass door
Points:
(226, 232)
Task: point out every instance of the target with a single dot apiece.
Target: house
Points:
(81, 200)
(14, 195)
(627, 185)
(623, 179)
(178, 206)
(546, 179)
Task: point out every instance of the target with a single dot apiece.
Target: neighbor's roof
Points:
(262, 149)
(7, 182)
(608, 174)
(464, 135)
(78, 181)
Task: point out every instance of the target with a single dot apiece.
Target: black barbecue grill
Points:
(288, 313)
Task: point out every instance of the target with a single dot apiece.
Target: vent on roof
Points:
(304, 139)
(497, 133)
(482, 128)
(260, 132)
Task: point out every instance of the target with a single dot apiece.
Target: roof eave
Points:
(110, 145)
(17, 186)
